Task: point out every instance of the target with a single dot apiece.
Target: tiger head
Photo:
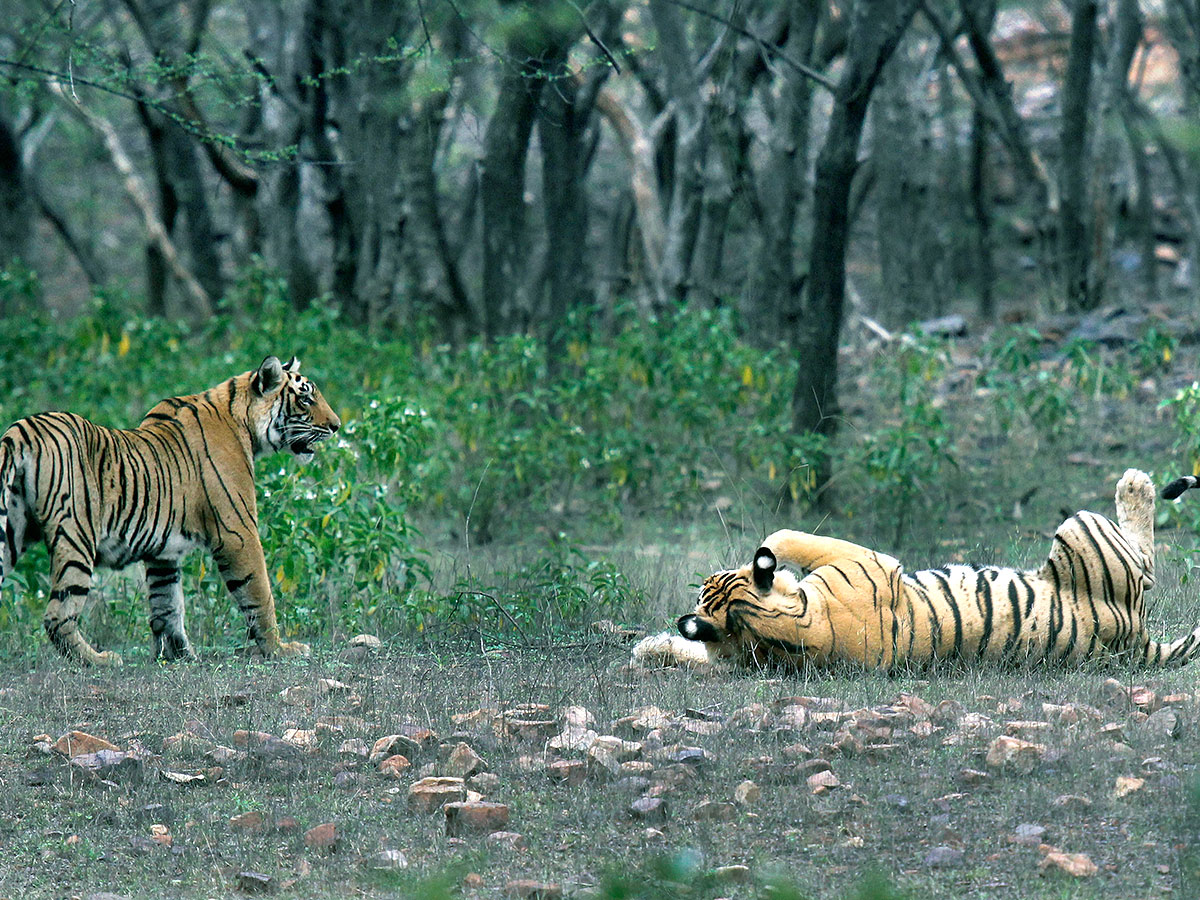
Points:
(740, 609)
(287, 410)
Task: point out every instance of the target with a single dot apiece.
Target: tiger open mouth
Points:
(305, 445)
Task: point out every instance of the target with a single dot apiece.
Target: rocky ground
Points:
(541, 774)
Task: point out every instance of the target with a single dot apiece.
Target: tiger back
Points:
(183, 478)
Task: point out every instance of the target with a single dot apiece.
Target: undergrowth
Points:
(457, 448)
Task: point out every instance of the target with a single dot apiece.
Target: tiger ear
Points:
(292, 365)
(268, 378)
(764, 569)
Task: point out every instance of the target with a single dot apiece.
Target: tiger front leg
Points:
(170, 640)
(245, 575)
(70, 583)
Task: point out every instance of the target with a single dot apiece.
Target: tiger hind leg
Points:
(71, 582)
(170, 640)
(1135, 512)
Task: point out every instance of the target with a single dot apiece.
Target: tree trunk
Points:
(775, 306)
(1075, 230)
(876, 27)
(16, 204)
(562, 127)
(502, 198)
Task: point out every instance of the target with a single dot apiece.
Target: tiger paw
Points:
(108, 658)
(293, 648)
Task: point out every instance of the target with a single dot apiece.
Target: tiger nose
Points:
(334, 423)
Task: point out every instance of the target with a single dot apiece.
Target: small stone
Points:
(973, 776)
(526, 889)
(475, 817)
(692, 756)
(1028, 834)
(80, 743)
(326, 836)
(394, 766)
(947, 712)
(506, 840)
(1072, 802)
(256, 883)
(484, 782)
(571, 772)
(432, 793)
(354, 747)
(386, 861)
(747, 793)
(248, 821)
(463, 761)
(820, 782)
(1126, 785)
(110, 765)
(346, 780)
(473, 880)
(392, 744)
(714, 811)
(1013, 754)
(944, 857)
(287, 824)
(649, 809)
(1077, 864)
(1163, 723)
(731, 874)
(369, 641)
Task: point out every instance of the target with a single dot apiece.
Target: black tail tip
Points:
(1177, 487)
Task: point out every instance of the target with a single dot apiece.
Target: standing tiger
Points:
(183, 478)
(857, 605)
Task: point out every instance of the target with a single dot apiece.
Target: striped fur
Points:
(857, 605)
(183, 478)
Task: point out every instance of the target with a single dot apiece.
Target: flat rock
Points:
(649, 809)
(432, 793)
(475, 817)
(79, 743)
(386, 861)
(256, 883)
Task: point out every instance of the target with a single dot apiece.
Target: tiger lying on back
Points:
(857, 605)
(183, 478)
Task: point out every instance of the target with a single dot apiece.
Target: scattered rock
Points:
(356, 747)
(248, 821)
(430, 794)
(386, 861)
(1076, 864)
(532, 890)
(1027, 834)
(1013, 754)
(1126, 785)
(944, 857)
(506, 840)
(475, 817)
(571, 772)
(326, 836)
(947, 712)
(649, 809)
(1072, 802)
(821, 782)
(731, 874)
(80, 743)
(110, 765)
(1163, 723)
(394, 766)
(973, 776)
(747, 793)
(484, 782)
(714, 811)
(464, 761)
(256, 883)
(368, 641)
(392, 744)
